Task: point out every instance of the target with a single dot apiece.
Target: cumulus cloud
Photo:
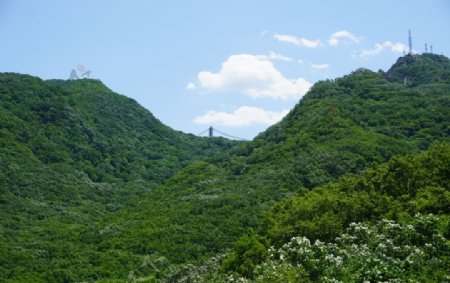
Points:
(342, 36)
(242, 116)
(255, 76)
(320, 66)
(379, 47)
(297, 41)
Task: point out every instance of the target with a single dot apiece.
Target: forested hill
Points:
(83, 123)
(71, 152)
(414, 70)
(341, 126)
(389, 224)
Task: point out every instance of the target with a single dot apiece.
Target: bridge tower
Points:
(211, 132)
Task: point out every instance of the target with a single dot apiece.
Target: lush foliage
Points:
(373, 227)
(72, 152)
(81, 172)
(396, 190)
(339, 127)
(420, 69)
(384, 252)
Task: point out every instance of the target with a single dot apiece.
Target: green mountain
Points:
(72, 152)
(413, 70)
(389, 223)
(82, 170)
(341, 126)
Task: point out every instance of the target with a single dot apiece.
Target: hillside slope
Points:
(339, 127)
(390, 223)
(413, 70)
(81, 168)
(70, 153)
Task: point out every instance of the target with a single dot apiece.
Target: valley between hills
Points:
(351, 186)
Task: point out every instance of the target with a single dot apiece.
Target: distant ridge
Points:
(420, 69)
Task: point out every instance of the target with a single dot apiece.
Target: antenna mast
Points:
(426, 48)
(410, 42)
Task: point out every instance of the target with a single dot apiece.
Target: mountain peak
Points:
(417, 69)
(81, 83)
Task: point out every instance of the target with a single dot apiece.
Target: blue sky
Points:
(237, 65)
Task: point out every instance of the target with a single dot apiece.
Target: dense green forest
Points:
(72, 152)
(390, 222)
(94, 188)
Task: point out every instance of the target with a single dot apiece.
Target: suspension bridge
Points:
(211, 133)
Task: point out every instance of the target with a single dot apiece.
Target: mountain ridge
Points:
(415, 69)
(341, 126)
(71, 153)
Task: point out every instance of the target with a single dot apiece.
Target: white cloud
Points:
(297, 41)
(255, 76)
(275, 56)
(398, 47)
(301, 61)
(263, 33)
(379, 47)
(190, 86)
(242, 116)
(320, 66)
(342, 36)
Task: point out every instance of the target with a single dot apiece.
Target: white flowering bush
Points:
(384, 252)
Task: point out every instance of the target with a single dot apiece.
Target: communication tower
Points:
(410, 42)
